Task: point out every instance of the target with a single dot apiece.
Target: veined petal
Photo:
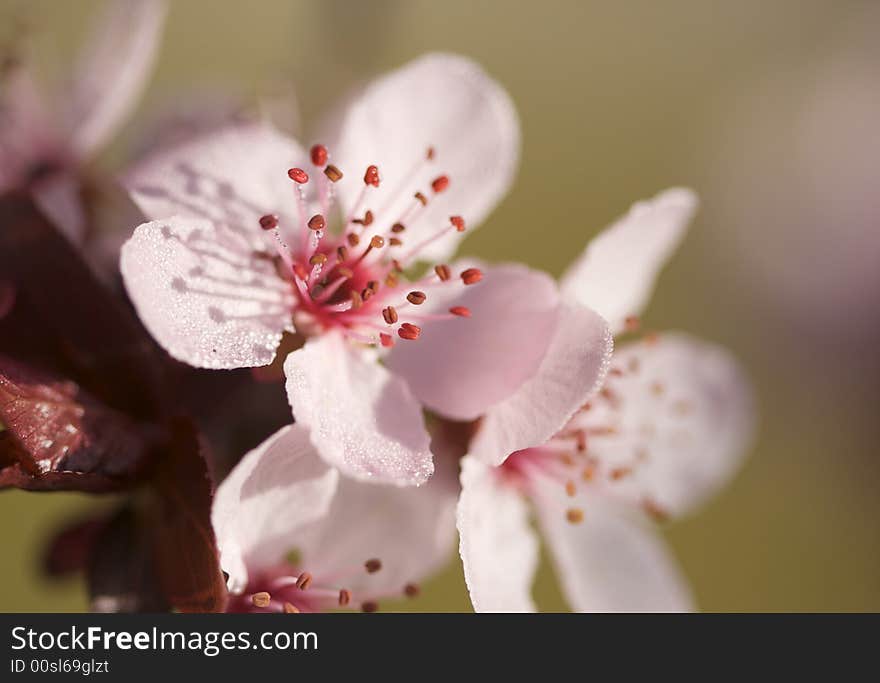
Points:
(443, 102)
(112, 71)
(611, 561)
(616, 273)
(573, 368)
(410, 530)
(205, 296)
(674, 420)
(363, 419)
(499, 550)
(269, 497)
(230, 176)
(461, 367)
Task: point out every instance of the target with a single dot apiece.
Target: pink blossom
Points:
(667, 428)
(45, 142)
(294, 535)
(242, 249)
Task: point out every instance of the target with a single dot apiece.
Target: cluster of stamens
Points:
(282, 591)
(354, 280)
(571, 458)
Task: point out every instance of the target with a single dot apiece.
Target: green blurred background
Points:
(617, 100)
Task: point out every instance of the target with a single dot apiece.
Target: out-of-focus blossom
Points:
(242, 249)
(667, 428)
(46, 138)
(296, 536)
(797, 158)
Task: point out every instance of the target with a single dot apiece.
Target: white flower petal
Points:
(609, 562)
(364, 420)
(267, 500)
(230, 176)
(678, 417)
(499, 550)
(574, 366)
(112, 71)
(204, 294)
(615, 275)
(441, 101)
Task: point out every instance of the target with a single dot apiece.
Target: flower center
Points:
(283, 589)
(353, 279)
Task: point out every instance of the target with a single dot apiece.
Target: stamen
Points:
(411, 590)
(390, 315)
(342, 253)
(353, 239)
(344, 597)
(416, 298)
(303, 581)
(409, 331)
(373, 565)
(421, 198)
(261, 599)
(394, 242)
(269, 222)
(371, 177)
(290, 608)
(619, 473)
(632, 323)
(398, 228)
(461, 311)
(386, 340)
(365, 221)
(443, 272)
(430, 153)
(318, 259)
(458, 222)
(370, 606)
(317, 222)
(333, 173)
(656, 512)
(574, 515)
(471, 276)
(570, 488)
(297, 175)
(440, 183)
(319, 155)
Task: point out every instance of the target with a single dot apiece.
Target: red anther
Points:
(371, 177)
(367, 293)
(333, 173)
(269, 222)
(373, 565)
(297, 175)
(391, 280)
(356, 299)
(290, 608)
(411, 590)
(440, 183)
(342, 253)
(409, 331)
(317, 222)
(377, 242)
(345, 272)
(461, 311)
(318, 259)
(261, 599)
(423, 200)
(319, 155)
(370, 606)
(458, 222)
(416, 298)
(344, 597)
(373, 285)
(395, 242)
(471, 276)
(398, 227)
(389, 313)
(430, 153)
(443, 272)
(366, 220)
(303, 581)
(353, 239)
(386, 339)
(300, 271)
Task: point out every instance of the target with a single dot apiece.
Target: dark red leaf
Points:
(179, 526)
(58, 316)
(57, 436)
(69, 550)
